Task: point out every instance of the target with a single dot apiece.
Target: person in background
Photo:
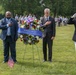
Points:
(72, 20)
(48, 24)
(34, 17)
(20, 17)
(56, 21)
(65, 20)
(59, 21)
(29, 16)
(16, 18)
(9, 36)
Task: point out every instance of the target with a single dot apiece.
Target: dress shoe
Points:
(4, 61)
(15, 61)
(44, 60)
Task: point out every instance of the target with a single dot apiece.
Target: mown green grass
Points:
(30, 58)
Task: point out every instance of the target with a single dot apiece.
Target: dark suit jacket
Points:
(73, 21)
(51, 28)
(14, 29)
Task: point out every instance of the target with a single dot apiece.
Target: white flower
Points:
(37, 37)
(39, 22)
(38, 26)
(29, 41)
(21, 36)
(22, 26)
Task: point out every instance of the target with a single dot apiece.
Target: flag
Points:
(10, 63)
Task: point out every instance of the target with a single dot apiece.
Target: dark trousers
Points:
(47, 40)
(9, 45)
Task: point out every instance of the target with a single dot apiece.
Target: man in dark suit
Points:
(48, 24)
(9, 36)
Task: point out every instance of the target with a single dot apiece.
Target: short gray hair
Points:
(47, 9)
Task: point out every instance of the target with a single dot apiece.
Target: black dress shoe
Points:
(15, 61)
(44, 60)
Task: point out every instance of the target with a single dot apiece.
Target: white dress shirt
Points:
(8, 30)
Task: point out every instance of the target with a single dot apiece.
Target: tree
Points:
(58, 7)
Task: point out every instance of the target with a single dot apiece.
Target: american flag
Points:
(10, 63)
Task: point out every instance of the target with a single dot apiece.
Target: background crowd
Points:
(60, 20)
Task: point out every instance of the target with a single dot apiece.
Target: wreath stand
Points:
(34, 49)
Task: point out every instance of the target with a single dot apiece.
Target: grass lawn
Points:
(30, 57)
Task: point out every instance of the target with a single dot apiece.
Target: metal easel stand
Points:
(36, 48)
(21, 68)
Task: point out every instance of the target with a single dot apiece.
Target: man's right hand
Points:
(47, 23)
(10, 24)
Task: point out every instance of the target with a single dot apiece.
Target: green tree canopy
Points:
(58, 7)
